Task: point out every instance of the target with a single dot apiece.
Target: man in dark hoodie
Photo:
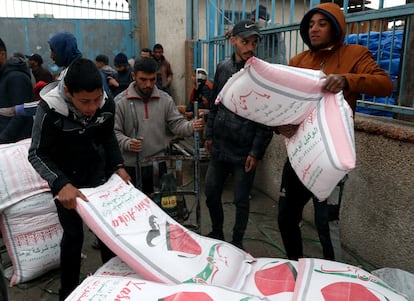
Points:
(235, 143)
(64, 50)
(15, 88)
(351, 69)
(74, 146)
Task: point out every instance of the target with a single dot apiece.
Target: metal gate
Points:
(387, 29)
(99, 26)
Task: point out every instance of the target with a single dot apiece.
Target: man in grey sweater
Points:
(143, 113)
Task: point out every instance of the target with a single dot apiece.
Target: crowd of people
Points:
(93, 120)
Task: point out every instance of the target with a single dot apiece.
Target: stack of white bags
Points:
(158, 258)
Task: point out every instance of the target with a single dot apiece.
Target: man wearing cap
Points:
(123, 77)
(235, 143)
(39, 73)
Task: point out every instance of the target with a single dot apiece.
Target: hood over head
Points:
(65, 47)
(334, 14)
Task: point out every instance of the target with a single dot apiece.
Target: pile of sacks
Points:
(159, 259)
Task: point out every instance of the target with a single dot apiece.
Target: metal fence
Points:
(384, 30)
(66, 9)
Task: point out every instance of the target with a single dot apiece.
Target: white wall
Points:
(170, 26)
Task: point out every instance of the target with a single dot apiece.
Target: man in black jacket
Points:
(15, 88)
(74, 146)
(235, 143)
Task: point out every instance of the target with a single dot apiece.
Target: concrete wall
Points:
(377, 214)
(170, 29)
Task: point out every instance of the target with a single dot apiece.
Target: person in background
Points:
(40, 73)
(350, 69)
(145, 52)
(74, 146)
(123, 77)
(64, 50)
(15, 88)
(200, 92)
(143, 112)
(107, 72)
(271, 48)
(102, 62)
(164, 71)
(235, 144)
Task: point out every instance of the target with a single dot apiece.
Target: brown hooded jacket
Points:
(355, 62)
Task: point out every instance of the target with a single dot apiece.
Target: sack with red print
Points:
(32, 233)
(322, 151)
(127, 288)
(324, 280)
(19, 180)
(272, 278)
(272, 94)
(153, 244)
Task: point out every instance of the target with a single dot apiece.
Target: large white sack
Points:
(32, 233)
(153, 244)
(112, 288)
(18, 179)
(273, 278)
(324, 280)
(272, 94)
(322, 151)
(116, 267)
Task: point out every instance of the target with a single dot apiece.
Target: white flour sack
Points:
(322, 151)
(32, 233)
(116, 267)
(272, 94)
(153, 244)
(112, 288)
(18, 179)
(272, 278)
(324, 280)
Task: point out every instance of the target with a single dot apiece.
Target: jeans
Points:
(71, 248)
(147, 176)
(216, 175)
(291, 207)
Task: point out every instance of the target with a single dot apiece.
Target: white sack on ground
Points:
(324, 280)
(116, 267)
(273, 278)
(125, 288)
(18, 179)
(32, 233)
(272, 94)
(322, 151)
(153, 244)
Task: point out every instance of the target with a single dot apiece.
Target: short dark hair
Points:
(2, 46)
(83, 75)
(158, 46)
(145, 64)
(102, 58)
(146, 50)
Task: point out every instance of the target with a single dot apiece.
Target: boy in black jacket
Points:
(74, 146)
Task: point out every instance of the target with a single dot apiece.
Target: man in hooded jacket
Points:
(64, 50)
(351, 69)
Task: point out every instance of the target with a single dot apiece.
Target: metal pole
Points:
(197, 166)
